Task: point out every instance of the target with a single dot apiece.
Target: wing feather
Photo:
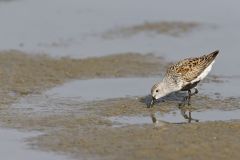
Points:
(189, 69)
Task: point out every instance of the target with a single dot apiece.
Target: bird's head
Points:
(157, 92)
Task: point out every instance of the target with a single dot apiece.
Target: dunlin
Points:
(184, 76)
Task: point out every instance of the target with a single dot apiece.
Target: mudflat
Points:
(84, 129)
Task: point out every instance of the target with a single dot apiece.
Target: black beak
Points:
(150, 105)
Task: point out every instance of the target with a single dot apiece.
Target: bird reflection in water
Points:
(183, 112)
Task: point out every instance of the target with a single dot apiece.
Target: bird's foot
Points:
(189, 116)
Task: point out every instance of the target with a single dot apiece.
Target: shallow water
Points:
(13, 147)
(63, 104)
(176, 117)
(75, 28)
(74, 93)
(228, 88)
(99, 89)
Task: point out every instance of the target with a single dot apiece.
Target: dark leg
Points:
(183, 109)
(183, 102)
(191, 94)
(188, 98)
(189, 116)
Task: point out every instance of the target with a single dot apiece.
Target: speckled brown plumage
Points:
(183, 76)
(190, 68)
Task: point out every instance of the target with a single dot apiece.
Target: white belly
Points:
(204, 73)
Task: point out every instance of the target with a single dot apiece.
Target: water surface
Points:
(74, 28)
(176, 117)
(13, 146)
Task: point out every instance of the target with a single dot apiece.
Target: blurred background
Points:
(80, 106)
(86, 28)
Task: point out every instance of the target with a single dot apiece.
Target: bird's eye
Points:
(156, 90)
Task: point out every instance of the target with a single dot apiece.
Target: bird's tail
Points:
(213, 55)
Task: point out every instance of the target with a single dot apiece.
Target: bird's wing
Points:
(189, 69)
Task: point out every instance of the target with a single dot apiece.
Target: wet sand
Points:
(86, 132)
(23, 74)
(88, 129)
(83, 130)
(210, 140)
(174, 29)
